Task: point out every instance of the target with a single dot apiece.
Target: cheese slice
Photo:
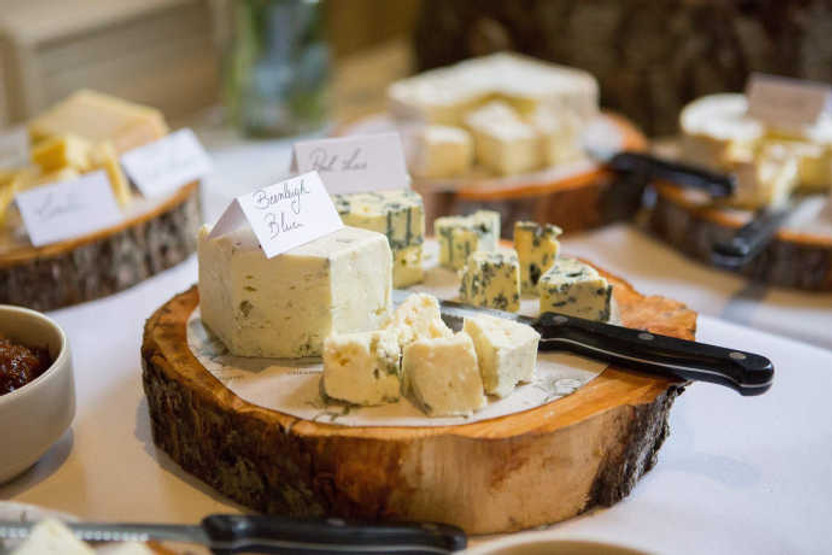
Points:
(492, 280)
(459, 236)
(503, 142)
(442, 152)
(103, 156)
(576, 289)
(62, 151)
(506, 352)
(537, 249)
(443, 375)
(363, 368)
(50, 537)
(285, 306)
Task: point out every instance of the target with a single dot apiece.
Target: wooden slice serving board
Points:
(800, 256)
(576, 196)
(509, 473)
(155, 236)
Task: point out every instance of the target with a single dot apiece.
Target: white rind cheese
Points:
(506, 352)
(363, 368)
(573, 288)
(492, 279)
(285, 306)
(537, 249)
(459, 236)
(503, 142)
(442, 152)
(443, 376)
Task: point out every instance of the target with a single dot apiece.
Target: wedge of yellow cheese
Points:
(103, 156)
(62, 151)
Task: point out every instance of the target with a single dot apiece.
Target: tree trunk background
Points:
(650, 56)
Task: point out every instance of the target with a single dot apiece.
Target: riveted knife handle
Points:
(677, 173)
(272, 534)
(750, 240)
(747, 373)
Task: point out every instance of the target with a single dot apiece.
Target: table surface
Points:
(736, 475)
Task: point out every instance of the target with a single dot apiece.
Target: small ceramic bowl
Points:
(35, 416)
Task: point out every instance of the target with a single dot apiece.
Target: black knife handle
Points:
(677, 173)
(747, 373)
(750, 240)
(273, 534)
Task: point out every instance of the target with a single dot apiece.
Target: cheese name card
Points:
(68, 209)
(355, 164)
(284, 215)
(787, 103)
(162, 166)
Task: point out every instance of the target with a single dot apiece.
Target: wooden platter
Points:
(509, 473)
(155, 236)
(800, 256)
(576, 196)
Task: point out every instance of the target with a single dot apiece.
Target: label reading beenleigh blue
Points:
(355, 164)
(787, 103)
(68, 209)
(283, 216)
(162, 166)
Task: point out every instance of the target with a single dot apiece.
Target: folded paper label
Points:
(68, 209)
(162, 166)
(787, 103)
(354, 164)
(284, 215)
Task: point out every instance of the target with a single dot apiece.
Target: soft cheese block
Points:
(503, 142)
(285, 306)
(442, 151)
(363, 368)
(443, 375)
(537, 249)
(418, 317)
(459, 236)
(506, 352)
(576, 289)
(560, 135)
(764, 177)
(492, 280)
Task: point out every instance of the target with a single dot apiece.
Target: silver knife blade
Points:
(115, 532)
(454, 313)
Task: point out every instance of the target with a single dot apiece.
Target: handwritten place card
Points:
(165, 165)
(285, 215)
(355, 164)
(785, 102)
(68, 209)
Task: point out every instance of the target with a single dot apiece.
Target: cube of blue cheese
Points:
(407, 267)
(506, 352)
(459, 236)
(573, 288)
(537, 249)
(286, 305)
(362, 368)
(418, 317)
(492, 279)
(443, 375)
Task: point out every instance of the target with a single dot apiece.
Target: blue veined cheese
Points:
(492, 279)
(506, 352)
(573, 288)
(443, 376)
(362, 368)
(285, 306)
(537, 249)
(418, 317)
(459, 236)
(407, 266)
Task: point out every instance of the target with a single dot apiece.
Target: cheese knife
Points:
(750, 240)
(272, 534)
(648, 168)
(746, 373)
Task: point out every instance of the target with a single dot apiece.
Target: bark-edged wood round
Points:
(794, 259)
(104, 262)
(518, 471)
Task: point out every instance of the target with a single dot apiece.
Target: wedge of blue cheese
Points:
(459, 236)
(400, 216)
(537, 249)
(285, 306)
(492, 279)
(362, 368)
(506, 352)
(573, 288)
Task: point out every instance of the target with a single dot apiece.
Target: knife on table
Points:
(648, 168)
(271, 534)
(750, 240)
(747, 373)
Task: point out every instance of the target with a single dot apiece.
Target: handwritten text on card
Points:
(787, 103)
(163, 166)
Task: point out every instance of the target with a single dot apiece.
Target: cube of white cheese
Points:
(52, 537)
(407, 266)
(418, 317)
(506, 352)
(459, 236)
(537, 249)
(764, 177)
(576, 289)
(363, 368)
(443, 376)
(492, 279)
(442, 151)
(285, 306)
(560, 135)
(503, 142)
